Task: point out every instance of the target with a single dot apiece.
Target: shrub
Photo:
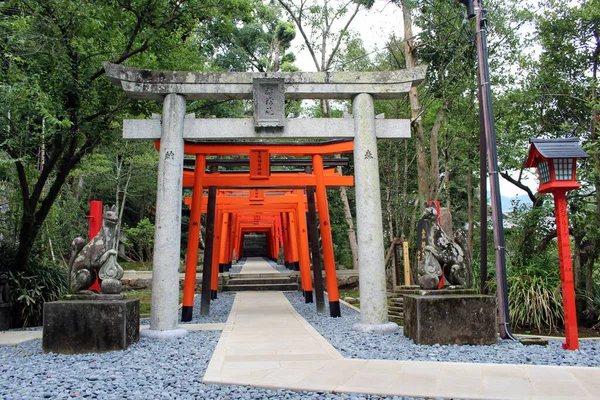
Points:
(535, 302)
(29, 291)
(140, 239)
(534, 296)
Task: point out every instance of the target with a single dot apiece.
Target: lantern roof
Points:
(553, 148)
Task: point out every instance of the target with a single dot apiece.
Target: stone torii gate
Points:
(268, 90)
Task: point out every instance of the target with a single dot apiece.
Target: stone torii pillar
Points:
(167, 237)
(269, 90)
(371, 276)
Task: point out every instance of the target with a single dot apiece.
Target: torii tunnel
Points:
(261, 200)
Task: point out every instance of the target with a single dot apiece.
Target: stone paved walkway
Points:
(257, 265)
(266, 343)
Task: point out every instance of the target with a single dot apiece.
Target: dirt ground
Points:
(582, 332)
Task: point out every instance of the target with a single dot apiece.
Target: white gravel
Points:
(174, 369)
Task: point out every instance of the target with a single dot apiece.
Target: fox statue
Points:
(96, 258)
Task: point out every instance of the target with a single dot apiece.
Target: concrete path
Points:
(257, 265)
(266, 343)
(11, 338)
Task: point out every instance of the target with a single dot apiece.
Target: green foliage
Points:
(260, 44)
(58, 107)
(30, 290)
(530, 226)
(140, 239)
(535, 300)
(534, 294)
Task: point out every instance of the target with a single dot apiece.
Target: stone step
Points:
(396, 320)
(396, 309)
(261, 287)
(397, 299)
(260, 281)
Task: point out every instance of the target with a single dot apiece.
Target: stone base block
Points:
(90, 326)
(168, 334)
(388, 327)
(450, 319)
(4, 316)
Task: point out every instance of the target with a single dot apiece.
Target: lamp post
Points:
(556, 161)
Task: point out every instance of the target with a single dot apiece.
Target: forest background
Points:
(61, 123)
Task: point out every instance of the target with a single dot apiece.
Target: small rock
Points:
(529, 341)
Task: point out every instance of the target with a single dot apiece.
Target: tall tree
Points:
(559, 98)
(323, 26)
(262, 44)
(52, 81)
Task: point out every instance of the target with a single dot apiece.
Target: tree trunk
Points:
(434, 172)
(351, 232)
(415, 109)
(593, 254)
(121, 209)
(390, 216)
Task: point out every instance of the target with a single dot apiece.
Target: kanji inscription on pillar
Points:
(269, 103)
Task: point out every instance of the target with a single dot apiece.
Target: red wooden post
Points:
(326, 240)
(293, 241)
(189, 284)
(303, 253)
(95, 225)
(566, 270)
(95, 218)
(286, 241)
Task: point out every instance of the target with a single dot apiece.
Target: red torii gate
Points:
(248, 202)
(259, 176)
(253, 210)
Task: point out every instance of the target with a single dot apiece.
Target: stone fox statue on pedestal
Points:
(95, 257)
(442, 255)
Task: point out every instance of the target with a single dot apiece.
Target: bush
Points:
(534, 296)
(535, 302)
(45, 281)
(140, 240)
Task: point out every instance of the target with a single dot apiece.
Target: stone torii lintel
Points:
(154, 85)
(243, 128)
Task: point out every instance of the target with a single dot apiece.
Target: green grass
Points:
(145, 298)
(136, 265)
(350, 293)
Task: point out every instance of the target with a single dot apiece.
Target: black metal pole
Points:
(313, 235)
(483, 267)
(206, 294)
(490, 132)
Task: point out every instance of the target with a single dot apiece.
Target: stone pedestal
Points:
(90, 326)
(450, 319)
(4, 316)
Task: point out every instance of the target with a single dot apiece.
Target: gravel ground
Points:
(174, 369)
(149, 369)
(353, 344)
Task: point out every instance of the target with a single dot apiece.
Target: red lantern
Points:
(556, 161)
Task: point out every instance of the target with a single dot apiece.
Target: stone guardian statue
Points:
(443, 256)
(96, 258)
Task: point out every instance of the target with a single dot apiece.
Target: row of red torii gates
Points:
(262, 200)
